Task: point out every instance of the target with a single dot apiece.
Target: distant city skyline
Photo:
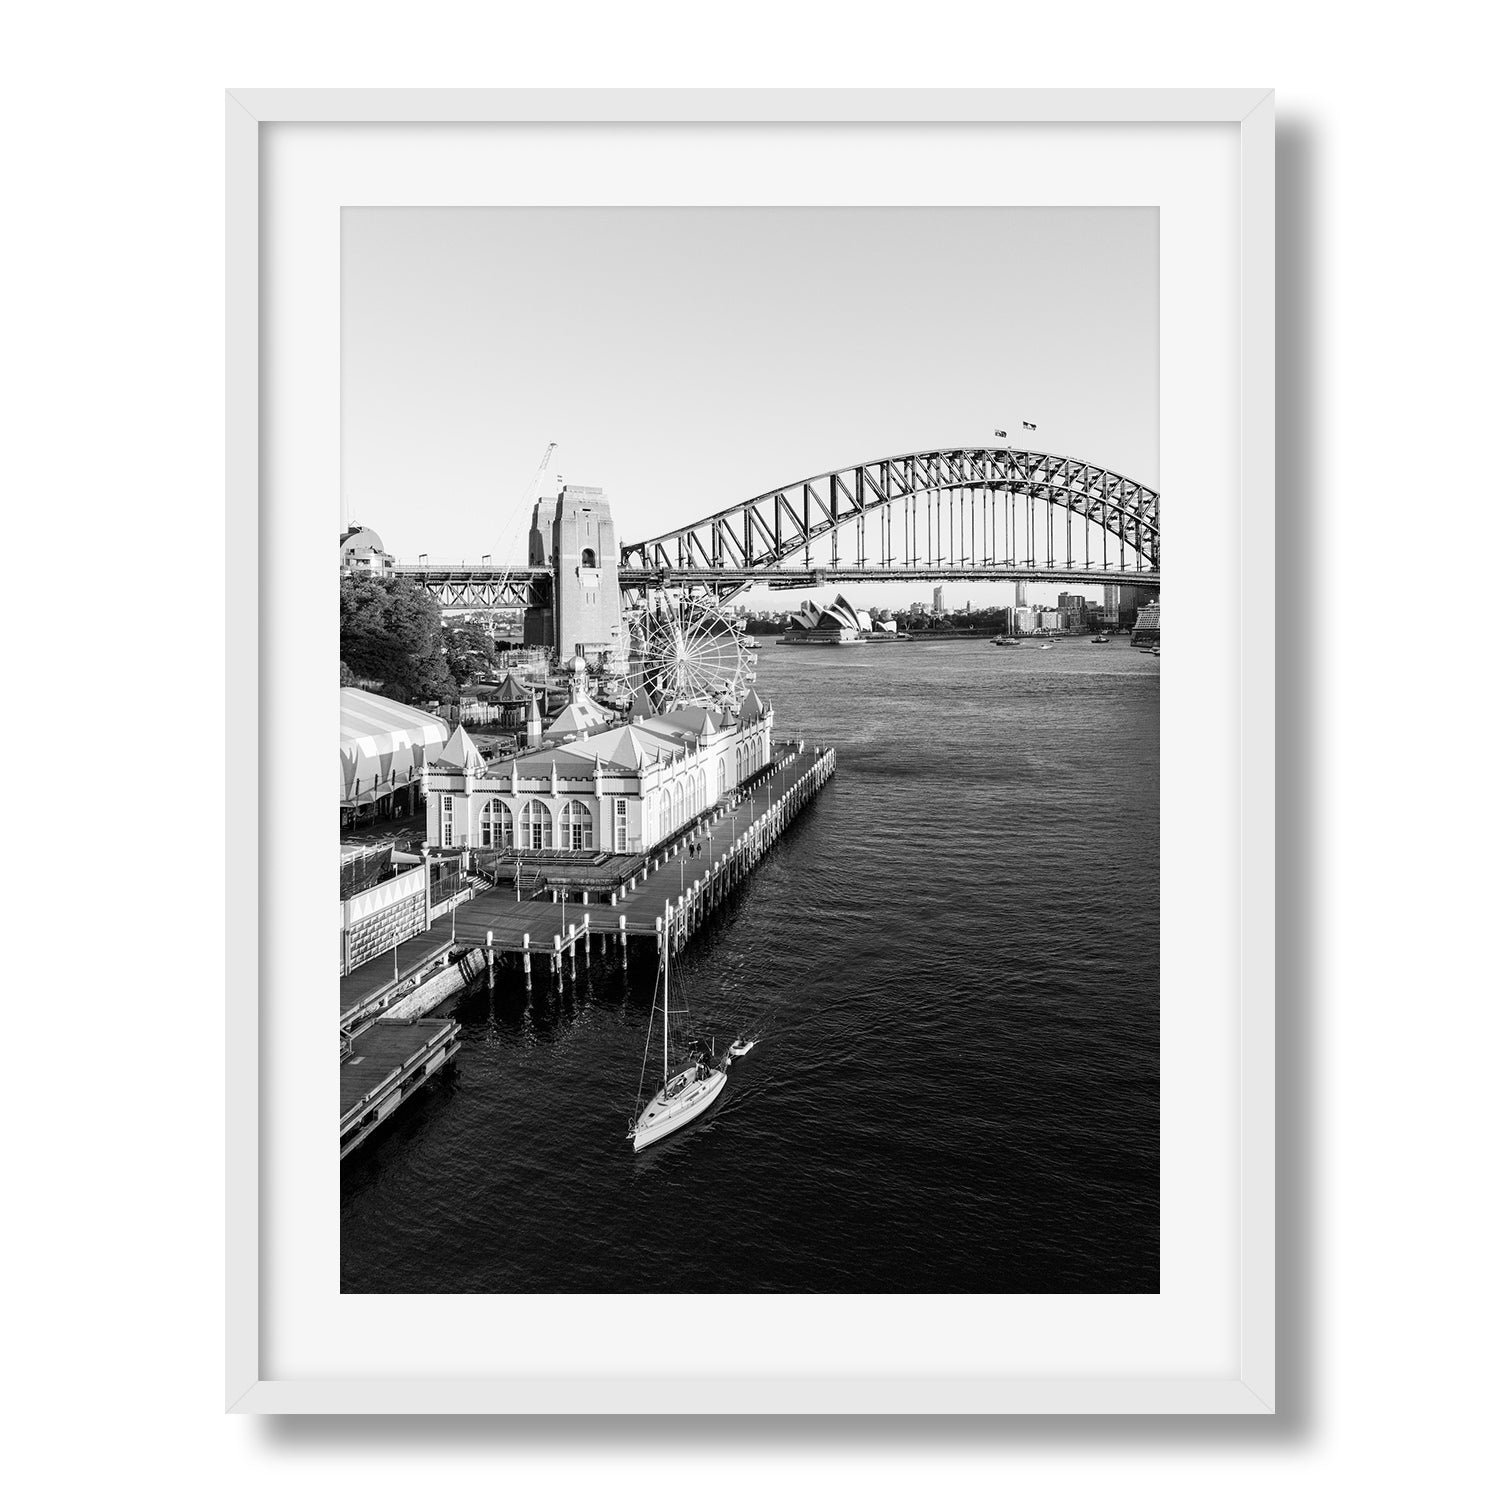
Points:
(686, 359)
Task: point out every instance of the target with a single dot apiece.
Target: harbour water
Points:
(951, 961)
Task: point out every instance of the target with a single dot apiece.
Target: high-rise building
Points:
(1121, 602)
(1073, 608)
(937, 600)
(1020, 594)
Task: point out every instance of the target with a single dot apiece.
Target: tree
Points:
(470, 652)
(391, 631)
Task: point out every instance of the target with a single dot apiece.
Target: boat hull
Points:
(663, 1115)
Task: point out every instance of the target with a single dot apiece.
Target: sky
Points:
(686, 359)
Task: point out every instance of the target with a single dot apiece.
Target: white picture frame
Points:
(257, 1280)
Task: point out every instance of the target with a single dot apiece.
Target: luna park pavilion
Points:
(621, 789)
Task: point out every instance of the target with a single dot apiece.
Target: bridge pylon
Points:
(574, 535)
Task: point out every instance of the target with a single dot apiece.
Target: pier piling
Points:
(734, 844)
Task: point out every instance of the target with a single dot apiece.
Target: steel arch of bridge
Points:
(762, 534)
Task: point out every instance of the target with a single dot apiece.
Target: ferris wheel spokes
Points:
(693, 653)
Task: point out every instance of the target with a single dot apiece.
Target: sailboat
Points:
(683, 1095)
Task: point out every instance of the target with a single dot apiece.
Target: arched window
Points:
(677, 815)
(587, 560)
(497, 829)
(723, 776)
(536, 826)
(702, 794)
(577, 826)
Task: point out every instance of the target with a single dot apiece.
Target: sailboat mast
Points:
(666, 1007)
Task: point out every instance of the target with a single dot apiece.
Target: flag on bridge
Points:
(998, 433)
(1029, 426)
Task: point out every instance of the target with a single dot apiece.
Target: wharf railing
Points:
(631, 910)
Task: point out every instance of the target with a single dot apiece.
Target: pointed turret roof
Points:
(751, 706)
(577, 718)
(641, 706)
(461, 751)
(691, 718)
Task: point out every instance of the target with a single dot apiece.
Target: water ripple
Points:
(952, 963)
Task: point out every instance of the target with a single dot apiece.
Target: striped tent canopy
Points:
(513, 690)
(382, 744)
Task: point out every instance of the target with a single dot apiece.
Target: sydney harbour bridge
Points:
(986, 514)
(981, 514)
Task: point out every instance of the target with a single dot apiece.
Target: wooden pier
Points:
(383, 1064)
(383, 1061)
(369, 988)
(677, 887)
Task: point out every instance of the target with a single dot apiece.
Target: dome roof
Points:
(360, 536)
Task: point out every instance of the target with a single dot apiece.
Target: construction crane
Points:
(541, 469)
(527, 499)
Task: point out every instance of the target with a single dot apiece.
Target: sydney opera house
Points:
(836, 624)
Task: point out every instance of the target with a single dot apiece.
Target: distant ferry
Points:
(1101, 640)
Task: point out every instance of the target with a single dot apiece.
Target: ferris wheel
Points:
(691, 652)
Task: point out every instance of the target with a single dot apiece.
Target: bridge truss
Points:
(959, 513)
(979, 514)
(462, 586)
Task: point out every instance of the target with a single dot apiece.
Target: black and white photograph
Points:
(749, 701)
(830, 994)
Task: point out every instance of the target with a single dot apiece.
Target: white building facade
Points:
(621, 790)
